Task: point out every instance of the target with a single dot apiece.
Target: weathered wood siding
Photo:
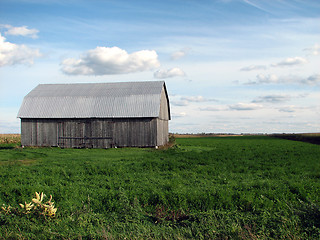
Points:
(140, 132)
(36, 132)
(90, 133)
(163, 121)
(164, 107)
(162, 132)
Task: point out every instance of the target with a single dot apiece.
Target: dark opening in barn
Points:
(96, 115)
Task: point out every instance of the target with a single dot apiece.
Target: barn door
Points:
(85, 133)
(102, 132)
(73, 133)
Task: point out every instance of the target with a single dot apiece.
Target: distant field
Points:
(249, 187)
(10, 138)
(303, 137)
(203, 135)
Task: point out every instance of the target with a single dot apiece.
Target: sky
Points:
(230, 66)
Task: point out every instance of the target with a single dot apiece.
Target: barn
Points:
(96, 115)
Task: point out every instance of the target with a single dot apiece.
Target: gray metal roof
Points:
(87, 100)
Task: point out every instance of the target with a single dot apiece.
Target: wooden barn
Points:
(96, 115)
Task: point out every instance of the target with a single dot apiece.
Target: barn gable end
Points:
(103, 115)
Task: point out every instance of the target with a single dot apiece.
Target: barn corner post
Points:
(96, 115)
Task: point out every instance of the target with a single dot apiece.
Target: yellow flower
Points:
(50, 210)
(7, 210)
(27, 206)
(47, 208)
(38, 198)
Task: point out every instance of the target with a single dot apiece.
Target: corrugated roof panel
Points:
(114, 100)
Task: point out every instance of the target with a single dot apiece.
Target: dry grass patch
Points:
(25, 162)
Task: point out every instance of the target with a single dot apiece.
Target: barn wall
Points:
(38, 132)
(90, 133)
(162, 130)
(135, 132)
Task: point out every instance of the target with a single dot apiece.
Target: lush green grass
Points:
(218, 188)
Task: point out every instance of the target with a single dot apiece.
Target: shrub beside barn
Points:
(96, 115)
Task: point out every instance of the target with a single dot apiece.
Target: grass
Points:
(305, 137)
(248, 187)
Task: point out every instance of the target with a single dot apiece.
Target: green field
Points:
(245, 187)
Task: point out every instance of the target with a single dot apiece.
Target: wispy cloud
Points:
(274, 79)
(180, 54)
(314, 50)
(108, 61)
(312, 80)
(276, 98)
(180, 103)
(11, 54)
(20, 31)
(169, 73)
(233, 107)
(197, 99)
(187, 100)
(262, 78)
(214, 108)
(290, 62)
(254, 67)
(178, 114)
(287, 109)
(256, 6)
(245, 106)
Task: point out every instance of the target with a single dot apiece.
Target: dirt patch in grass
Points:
(22, 162)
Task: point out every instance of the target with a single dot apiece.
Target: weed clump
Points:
(171, 143)
(34, 208)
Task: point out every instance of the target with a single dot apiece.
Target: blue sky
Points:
(230, 66)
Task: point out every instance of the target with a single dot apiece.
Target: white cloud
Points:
(169, 73)
(262, 78)
(180, 54)
(290, 62)
(108, 61)
(21, 31)
(11, 54)
(253, 67)
(245, 106)
(314, 50)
